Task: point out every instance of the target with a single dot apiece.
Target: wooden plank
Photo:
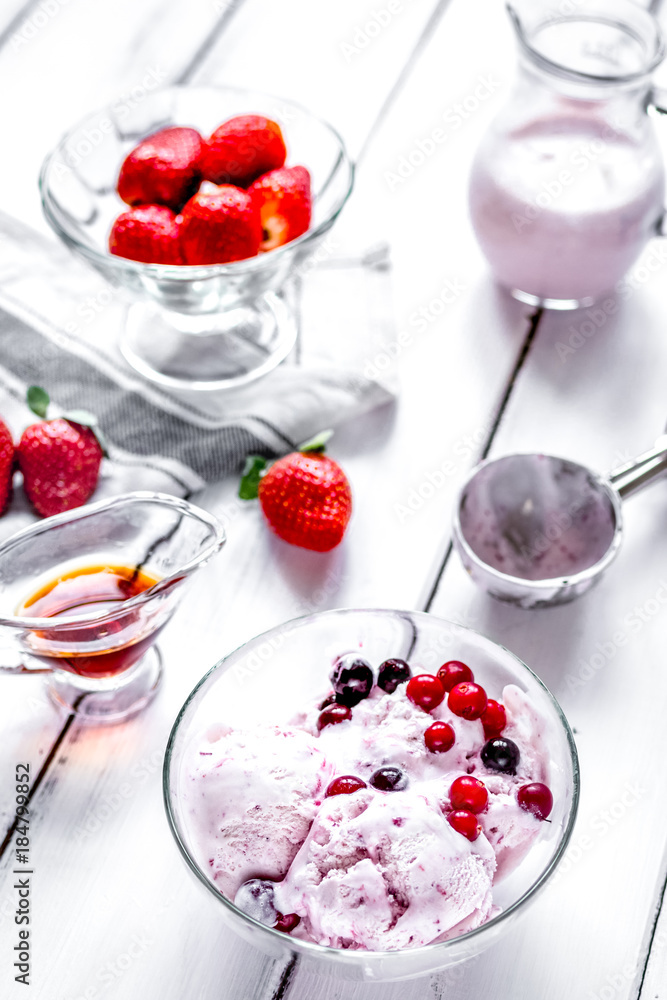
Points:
(651, 979)
(82, 58)
(22, 20)
(452, 373)
(338, 62)
(58, 46)
(595, 396)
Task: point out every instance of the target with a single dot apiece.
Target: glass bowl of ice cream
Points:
(196, 324)
(380, 792)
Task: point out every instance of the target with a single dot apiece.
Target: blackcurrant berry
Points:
(389, 779)
(501, 754)
(352, 679)
(255, 897)
(392, 673)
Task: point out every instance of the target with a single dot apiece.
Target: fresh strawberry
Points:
(60, 460)
(163, 169)
(305, 496)
(149, 233)
(284, 202)
(220, 226)
(7, 452)
(241, 149)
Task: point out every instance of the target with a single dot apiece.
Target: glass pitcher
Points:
(568, 184)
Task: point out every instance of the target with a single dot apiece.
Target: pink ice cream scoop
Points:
(252, 796)
(386, 871)
(354, 827)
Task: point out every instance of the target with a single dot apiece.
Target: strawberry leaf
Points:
(38, 400)
(86, 419)
(317, 443)
(101, 439)
(252, 473)
(82, 417)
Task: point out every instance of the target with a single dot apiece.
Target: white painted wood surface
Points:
(116, 914)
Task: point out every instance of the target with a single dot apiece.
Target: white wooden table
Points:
(115, 914)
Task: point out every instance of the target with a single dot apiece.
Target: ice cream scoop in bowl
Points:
(385, 875)
(213, 326)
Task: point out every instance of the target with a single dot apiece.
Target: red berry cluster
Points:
(210, 201)
(352, 679)
(468, 796)
(464, 698)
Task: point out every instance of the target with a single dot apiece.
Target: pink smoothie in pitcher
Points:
(563, 206)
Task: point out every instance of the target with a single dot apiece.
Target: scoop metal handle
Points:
(632, 477)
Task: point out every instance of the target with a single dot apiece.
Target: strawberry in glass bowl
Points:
(200, 202)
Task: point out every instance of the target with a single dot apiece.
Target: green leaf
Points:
(317, 443)
(89, 420)
(38, 400)
(83, 417)
(101, 439)
(252, 473)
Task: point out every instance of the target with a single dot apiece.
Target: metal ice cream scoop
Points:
(535, 530)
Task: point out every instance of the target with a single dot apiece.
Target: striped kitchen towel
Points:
(59, 326)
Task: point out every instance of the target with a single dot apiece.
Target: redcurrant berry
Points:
(426, 691)
(344, 785)
(494, 718)
(333, 714)
(467, 700)
(468, 793)
(536, 798)
(287, 922)
(439, 737)
(466, 823)
(454, 672)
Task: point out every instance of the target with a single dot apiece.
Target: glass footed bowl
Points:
(278, 673)
(193, 327)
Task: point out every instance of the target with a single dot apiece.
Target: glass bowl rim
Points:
(326, 951)
(86, 510)
(194, 272)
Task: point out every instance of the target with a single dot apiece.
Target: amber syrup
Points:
(100, 590)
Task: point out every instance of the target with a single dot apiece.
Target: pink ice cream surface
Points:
(375, 870)
(386, 871)
(509, 829)
(251, 797)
